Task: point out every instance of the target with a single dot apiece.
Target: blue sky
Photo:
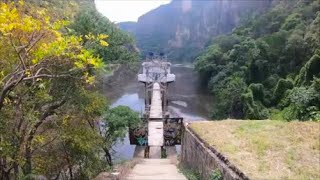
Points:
(127, 10)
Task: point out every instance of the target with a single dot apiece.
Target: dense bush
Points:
(282, 86)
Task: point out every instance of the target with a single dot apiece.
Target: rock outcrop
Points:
(183, 28)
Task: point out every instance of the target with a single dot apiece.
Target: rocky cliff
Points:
(182, 29)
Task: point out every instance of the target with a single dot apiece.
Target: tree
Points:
(116, 123)
(207, 64)
(41, 71)
(121, 49)
(39, 49)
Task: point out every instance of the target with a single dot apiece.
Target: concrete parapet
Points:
(198, 155)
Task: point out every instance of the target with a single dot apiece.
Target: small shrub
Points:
(253, 109)
(282, 86)
(190, 174)
(309, 71)
(257, 90)
(216, 175)
(276, 114)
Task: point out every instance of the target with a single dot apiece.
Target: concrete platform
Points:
(164, 79)
(155, 129)
(155, 133)
(161, 68)
(155, 169)
(155, 152)
(139, 152)
(156, 102)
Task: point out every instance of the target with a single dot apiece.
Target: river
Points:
(186, 99)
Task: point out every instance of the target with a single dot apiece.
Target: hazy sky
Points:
(127, 10)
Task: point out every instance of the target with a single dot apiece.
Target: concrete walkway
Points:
(155, 169)
(155, 135)
(156, 102)
(155, 129)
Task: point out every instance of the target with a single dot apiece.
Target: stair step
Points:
(162, 177)
(155, 169)
(156, 161)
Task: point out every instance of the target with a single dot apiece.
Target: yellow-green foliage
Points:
(60, 9)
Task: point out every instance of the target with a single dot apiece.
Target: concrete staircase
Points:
(155, 169)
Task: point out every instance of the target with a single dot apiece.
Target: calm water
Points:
(186, 99)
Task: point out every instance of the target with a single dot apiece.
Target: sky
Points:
(127, 10)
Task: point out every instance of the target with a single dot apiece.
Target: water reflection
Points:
(131, 100)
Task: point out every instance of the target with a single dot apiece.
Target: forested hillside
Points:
(182, 29)
(51, 55)
(269, 67)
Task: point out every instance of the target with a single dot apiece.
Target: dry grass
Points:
(266, 149)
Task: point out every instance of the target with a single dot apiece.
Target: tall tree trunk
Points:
(4, 92)
(4, 174)
(108, 156)
(28, 152)
(16, 138)
(70, 172)
(16, 170)
(28, 159)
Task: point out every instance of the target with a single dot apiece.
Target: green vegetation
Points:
(190, 174)
(90, 22)
(163, 153)
(116, 124)
(50, 108)
(269, 67)
(216, 175)
(266, 148)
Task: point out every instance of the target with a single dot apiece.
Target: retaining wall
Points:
(198, 155)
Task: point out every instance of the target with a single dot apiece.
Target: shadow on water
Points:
(186, 99)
